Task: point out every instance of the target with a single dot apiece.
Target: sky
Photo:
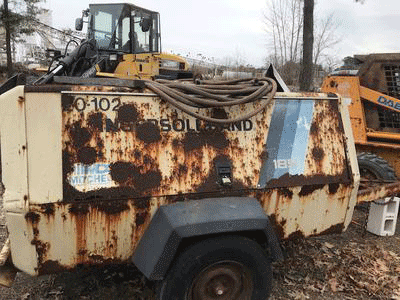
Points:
(218, 29)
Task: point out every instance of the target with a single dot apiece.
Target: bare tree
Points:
(284, 26)
(306, 71)
(7, 27)
(239, 59)
(283, 19)
(331, 63)
(325, 36)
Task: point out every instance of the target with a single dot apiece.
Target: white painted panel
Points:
(13, 149)
(43, 122)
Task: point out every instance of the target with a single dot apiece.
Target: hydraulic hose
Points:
(189, 97)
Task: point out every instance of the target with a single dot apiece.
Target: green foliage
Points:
(22, 15)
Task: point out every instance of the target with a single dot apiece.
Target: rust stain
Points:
(41, 247)
(32, 217)
(333, 188)
(87, 155)
(318, 153)
(80, 136)
(122, 172)
(128, 174)
(49, 209)
(112, 214)
(77, 209)
(111, 207)
(309, 189)
(287, 180)
(67, 102)
(378, 192)
(286, 192)
(141, 218)
(148, 181)
(333, 84)
(95, 121)
(142, 203)
(197, 140)
(148, 132)
(128, 114)
(314, 129)
(326, 136)
(79, 215)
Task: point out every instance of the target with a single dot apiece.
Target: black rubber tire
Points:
(188, 274)
(373, 165)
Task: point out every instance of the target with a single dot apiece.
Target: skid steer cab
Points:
(123, 41)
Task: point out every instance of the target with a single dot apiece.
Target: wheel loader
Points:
(123, 41)
(193, 183)
(372, 84)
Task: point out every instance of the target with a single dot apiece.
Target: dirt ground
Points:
(351, 265)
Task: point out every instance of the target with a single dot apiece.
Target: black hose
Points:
(66, 47)
(213, 94)
(56, 58)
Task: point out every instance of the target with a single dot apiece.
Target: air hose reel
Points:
(190, 97)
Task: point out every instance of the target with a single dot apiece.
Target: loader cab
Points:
(124, 28)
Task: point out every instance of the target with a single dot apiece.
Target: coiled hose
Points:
(215, 94)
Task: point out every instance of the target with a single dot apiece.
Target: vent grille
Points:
(392, 74)
(388, 118)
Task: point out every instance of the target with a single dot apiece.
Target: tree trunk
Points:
(8, 39)
(306, 71)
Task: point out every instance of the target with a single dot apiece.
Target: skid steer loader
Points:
(372, 84)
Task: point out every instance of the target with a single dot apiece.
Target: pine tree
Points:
(17, 19)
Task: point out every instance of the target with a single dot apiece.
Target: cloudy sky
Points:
(221, 28)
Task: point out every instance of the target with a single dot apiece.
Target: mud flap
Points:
(174, 222)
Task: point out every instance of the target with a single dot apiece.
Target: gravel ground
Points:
(351, 265)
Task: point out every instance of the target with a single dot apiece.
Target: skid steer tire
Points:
(224, 268)
(373, 167)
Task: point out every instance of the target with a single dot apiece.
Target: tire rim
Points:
(226, 280)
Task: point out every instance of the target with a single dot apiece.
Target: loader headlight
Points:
(170, 64)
